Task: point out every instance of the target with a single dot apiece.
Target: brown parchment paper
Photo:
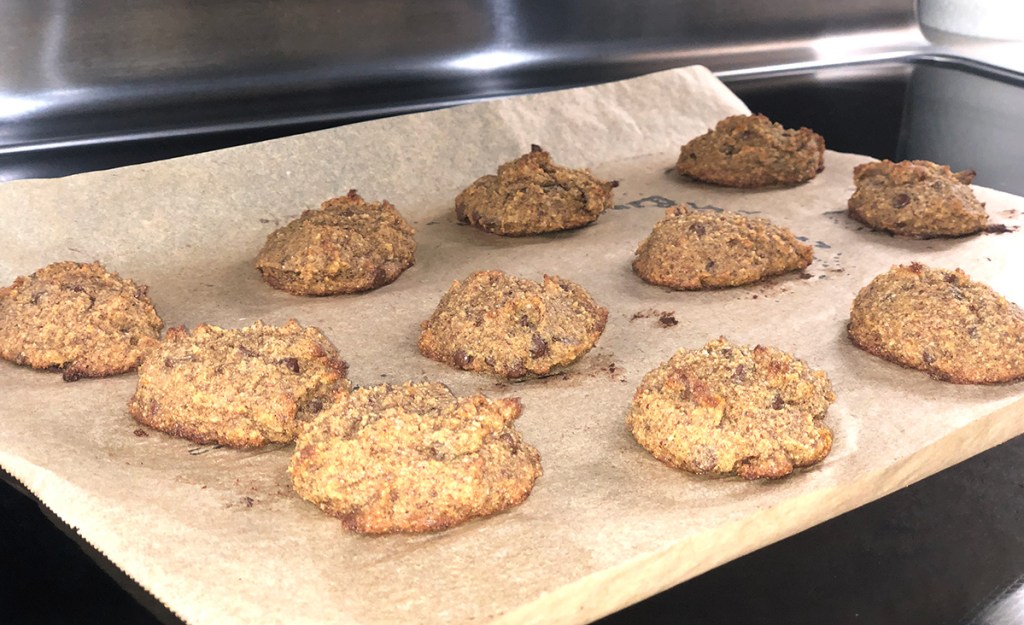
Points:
(217, 534)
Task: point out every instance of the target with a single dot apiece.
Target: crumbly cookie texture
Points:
(728, 408)
(240, 388)
(511, 326)
(532, 195)
(413, 458)
(348, 245)
(700, 249)
(940, 322)
(77, 318)
(916, 199)
(753, 151)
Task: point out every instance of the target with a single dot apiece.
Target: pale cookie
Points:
(241, 388)
(941, 322)
(77, 318)
(728, 408)
(413, 458)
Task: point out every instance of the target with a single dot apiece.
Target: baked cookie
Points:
(940, 322)
(916, 199)
(728, 408)
(700, 249)
(413, 458)
(241, 388)
(510, 326)
(346, 246)
(753, 151)
(532, 195)
(77, 318)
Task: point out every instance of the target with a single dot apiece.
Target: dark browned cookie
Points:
(413, 458)
(241, 388)
(532, 195)
(511, 326)
(700, 249)
(940, 322)
(753, 151)
(78, 318)
(728, 408)
(916, 199)
(346, 246)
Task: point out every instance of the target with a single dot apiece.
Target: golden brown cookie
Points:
(700, 249)
(346, 246)
(413, 458)
(940, 322)
(241, 388)
(728, 408)
(753, 151)
(916, 199)
(78, 318)
(511, 326)
(532, 195)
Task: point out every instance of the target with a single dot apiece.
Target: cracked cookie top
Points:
(240, 388)
(532, 195)
(77, 318)
(348, 245)
(732, 409)
(940, 322)
(413, 458)
(510, 326)
(916, 199)
(700, 249)
(752, 151)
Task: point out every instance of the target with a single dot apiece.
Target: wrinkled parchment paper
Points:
(218, 535)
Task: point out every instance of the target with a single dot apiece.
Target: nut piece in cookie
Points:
(532, 195)
(413, 458)
(728, 408)
(511, 326)
(940, 322)
(916, 199)
(752, 151)
(348, 245)
(701, 249)
(241, 388)
(77, 318)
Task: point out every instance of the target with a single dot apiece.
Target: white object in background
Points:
(991, 19)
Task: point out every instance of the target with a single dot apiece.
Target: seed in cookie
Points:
(752, 151)
(700, 249)
(732, 409)
(348, 245)
(78, 318)
(940, 322)
(413, 458)
(532, 195)
(240, 388)
(510, 326)
(916, 199)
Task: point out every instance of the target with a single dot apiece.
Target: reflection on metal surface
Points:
(1006, 609)
(167, 67)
